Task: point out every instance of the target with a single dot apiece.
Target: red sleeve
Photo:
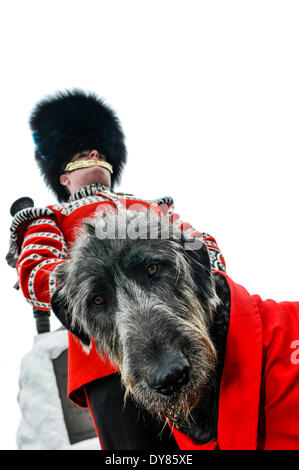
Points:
(42, 250)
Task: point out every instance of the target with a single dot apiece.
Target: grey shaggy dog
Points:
(145, 292)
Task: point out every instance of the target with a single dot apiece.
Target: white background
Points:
(208, 96)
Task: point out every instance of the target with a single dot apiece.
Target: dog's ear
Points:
(89, 227)
(60, 308)
(198, 256)
(197, 253)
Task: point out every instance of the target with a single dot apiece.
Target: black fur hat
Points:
(70, 122)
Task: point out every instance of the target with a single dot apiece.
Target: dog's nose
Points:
(171, 375)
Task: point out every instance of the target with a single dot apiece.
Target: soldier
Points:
(81, 153)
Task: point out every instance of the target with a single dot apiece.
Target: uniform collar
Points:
(89, 191)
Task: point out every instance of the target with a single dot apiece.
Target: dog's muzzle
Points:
(170, 375)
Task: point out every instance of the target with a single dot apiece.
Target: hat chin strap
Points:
(76, 165)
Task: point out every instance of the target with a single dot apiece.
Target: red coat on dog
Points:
(259, 392)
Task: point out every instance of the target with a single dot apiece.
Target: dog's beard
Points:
(177, 407)
(179, 412)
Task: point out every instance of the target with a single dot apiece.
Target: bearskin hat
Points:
(70, 122)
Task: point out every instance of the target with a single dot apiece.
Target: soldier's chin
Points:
(96, 175)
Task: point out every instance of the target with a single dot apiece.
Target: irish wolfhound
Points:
(143, 289)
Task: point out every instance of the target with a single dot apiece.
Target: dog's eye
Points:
(152, 269)
(99, 300)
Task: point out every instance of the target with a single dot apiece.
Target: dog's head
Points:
(143, 289)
